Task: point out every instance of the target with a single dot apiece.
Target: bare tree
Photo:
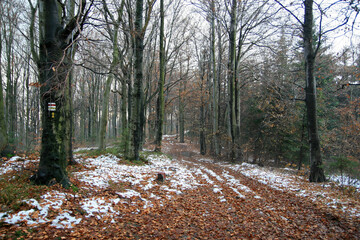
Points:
(113, 35)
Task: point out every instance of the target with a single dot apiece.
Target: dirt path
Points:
(200, 199)
(251, 209)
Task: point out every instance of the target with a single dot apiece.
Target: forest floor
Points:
(199, 199)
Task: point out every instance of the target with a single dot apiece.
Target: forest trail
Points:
(199, 199)
(236, 206)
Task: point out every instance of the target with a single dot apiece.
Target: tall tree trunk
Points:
(115, 60)
(69, 122)
(3, 131)
(302, 148)
(221, 120)
(127, 133)
(52, 76)
(202, 125)
(160, 101)
(69, 119)
(105, 108)
(27, 127)
(82, 113)
(232, 78)
(137, 96)
(215, 90)
(10, 89)
(124, 96)
(115, 115)
(54, 65)
(316, 170)
(181, 116)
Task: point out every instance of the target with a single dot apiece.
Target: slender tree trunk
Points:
(215, 90)
(105, 112)
(27, 127)
(221, 119)
(3, 131)
(115, 115)
(316, 170)
(202, 126)
(232, 78)
(171, 124)
(160, 101)
(82, 112)
(115, 60)
(302, 148)
(124, 122)
(127, 133)
(10, 88)
(69, 122)
(181, 116)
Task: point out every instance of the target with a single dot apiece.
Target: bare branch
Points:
(289, 11)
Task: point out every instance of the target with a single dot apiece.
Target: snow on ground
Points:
(106, 169)
(345, 181)
(84, 149)
(142, 189)
(50, 202)
(14, 163)
(297, 185)
(103, 172)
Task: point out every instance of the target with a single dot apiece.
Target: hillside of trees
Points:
(269, 82)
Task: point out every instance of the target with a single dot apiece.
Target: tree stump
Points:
(160, 177)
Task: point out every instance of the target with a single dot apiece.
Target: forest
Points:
(266, 83)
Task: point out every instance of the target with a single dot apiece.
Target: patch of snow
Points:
(212, 173)
(83, 149)
(97, 207)
(287, 182)
(22, 216)
(40, 211)
(129, 194)
(231, 180)
(65, 220)
(222, 199)
(345, 181)
(14, 164)
(205, 160)
(216, 189)
(169, 136)
(106, 168)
